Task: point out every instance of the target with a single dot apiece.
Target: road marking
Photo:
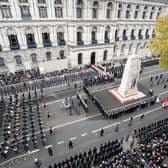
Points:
(12, 159)
(84, 134)
(96, 130)
(75, 121)
(37, 150)
(126, 120)
(61, 142)
(112, 125)
(48, 146)
(72, 138)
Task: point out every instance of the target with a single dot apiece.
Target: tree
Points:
(159, 43)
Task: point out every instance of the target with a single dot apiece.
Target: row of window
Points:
(105, 53)
(33, 56)
(31, 43)
(25, 10)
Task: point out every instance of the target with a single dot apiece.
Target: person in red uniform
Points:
(51, 130)
(49, 115)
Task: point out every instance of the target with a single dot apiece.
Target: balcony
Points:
(15, 46)
(125, 38)
(61, 42)
(147, 36)
(140, 37)
(132, 37)
(80, 42)
(153, 35)
(26, 18)
(47, 44)
(31, 45)
(107, 40)
(116, 38)
(94, 42)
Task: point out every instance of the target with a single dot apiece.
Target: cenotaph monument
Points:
(128, 90)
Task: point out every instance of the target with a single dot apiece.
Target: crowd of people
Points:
(21, 119)
(47, 82)
(150, 153)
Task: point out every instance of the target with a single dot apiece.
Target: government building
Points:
(58, 34)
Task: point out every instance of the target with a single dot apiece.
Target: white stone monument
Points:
(128, 90)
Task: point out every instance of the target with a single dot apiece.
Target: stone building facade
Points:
(70, 33)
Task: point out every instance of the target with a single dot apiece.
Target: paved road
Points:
(84, 129)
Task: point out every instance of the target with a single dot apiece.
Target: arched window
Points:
(34, 58)
(93, 58)
(152, 12)
(30, 38)
(115, 49)
(140, 34)
(138, 46)
(144, 12)
(60, 36)
(109, 10)
(13, 40)
(127, 15)
(58, 9)
(130, 48)
(147, 34)
(159, 12)
(116, 35)
(46, 37)
(153, 33)
(2, 63)
(106, 35)
(79, 8)
(80, 60)
(132, 35)
(48, 56)
(18, 59)
(79, 36)
(123, 48)
(136, 12)
(125, 35)
(119, 11)
(95, 9)
(93, 35)
(105, 55)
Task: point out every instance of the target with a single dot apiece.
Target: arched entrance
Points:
(92, 58)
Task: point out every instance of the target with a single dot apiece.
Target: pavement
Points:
(84, 129)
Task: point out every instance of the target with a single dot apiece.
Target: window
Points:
(30, 38)
(144, 15)
(46, 37)
(106, 35)
(115, 49)
(116, 35)
(2, 63)
(151, 15)
(58, 9)
(79, 8)
(48, 56)
(62, 54)
(79, 59)
(136, 12)
(132, 35)
(3, 0)
(41, 1)
(5, 11)
(25, 12)
(109, 10)
(123, 48)
(105, 55)
(130, 48)
(95, 9)
(127, 16)
(18, 60)
(119, 10)
(60, 36)
(79, 36)
(42, 12)
(124, 35)
(34, 58)
(93, 35)
(13, 40)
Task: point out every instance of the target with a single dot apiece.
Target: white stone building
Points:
(56, 34)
